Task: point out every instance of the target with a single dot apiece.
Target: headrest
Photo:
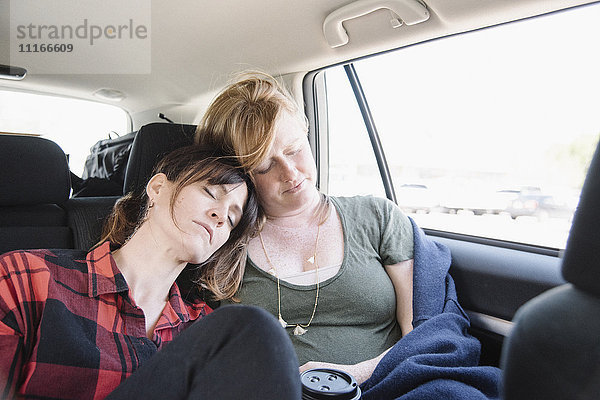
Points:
(581, 263)
(152, 143)
(33, 171)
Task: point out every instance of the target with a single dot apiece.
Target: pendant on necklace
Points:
(282, 322)
(311, 260)
(298, 330)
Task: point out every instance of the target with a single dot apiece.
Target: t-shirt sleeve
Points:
(396, 234)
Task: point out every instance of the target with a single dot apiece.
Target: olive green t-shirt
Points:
(355, 318)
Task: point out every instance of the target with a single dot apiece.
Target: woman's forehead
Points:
(288, 131)
(238, 191)
(287, 120)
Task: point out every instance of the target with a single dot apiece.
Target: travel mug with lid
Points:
(327, 383)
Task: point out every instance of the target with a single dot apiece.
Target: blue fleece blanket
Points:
(438, 359)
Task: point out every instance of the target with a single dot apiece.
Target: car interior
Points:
(391, 90)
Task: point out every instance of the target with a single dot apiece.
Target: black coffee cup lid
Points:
(327, 383)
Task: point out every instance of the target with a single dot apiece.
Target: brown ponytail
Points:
(126, 216)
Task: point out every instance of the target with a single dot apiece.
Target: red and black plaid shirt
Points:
(68, 327)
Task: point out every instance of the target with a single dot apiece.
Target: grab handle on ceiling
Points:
(408, 12)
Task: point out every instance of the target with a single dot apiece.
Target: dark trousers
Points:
(237, 352)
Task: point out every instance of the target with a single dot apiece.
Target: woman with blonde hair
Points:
(113, 322)
(356, 284)
(336, 272)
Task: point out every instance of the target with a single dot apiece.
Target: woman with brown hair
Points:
(79, 326)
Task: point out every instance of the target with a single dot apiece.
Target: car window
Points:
(487, 133)
(351, 169)
(75, 125)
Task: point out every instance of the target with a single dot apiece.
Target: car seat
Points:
(554, 349)
(34, 187)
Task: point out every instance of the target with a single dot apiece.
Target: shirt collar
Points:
(177, 310)
(103, 275)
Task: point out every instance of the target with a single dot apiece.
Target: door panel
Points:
(493, 282)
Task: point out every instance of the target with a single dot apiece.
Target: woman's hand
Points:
(360, 373)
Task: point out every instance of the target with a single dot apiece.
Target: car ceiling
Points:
(198, 45)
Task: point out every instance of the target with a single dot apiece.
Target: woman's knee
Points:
(257, 326)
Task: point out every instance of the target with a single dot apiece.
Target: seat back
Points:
(152, 142)
(554, 349)
(34, 186)
(86, 216)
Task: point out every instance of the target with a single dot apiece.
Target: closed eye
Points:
(209, 193)
(265, 170)
(293, 152)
